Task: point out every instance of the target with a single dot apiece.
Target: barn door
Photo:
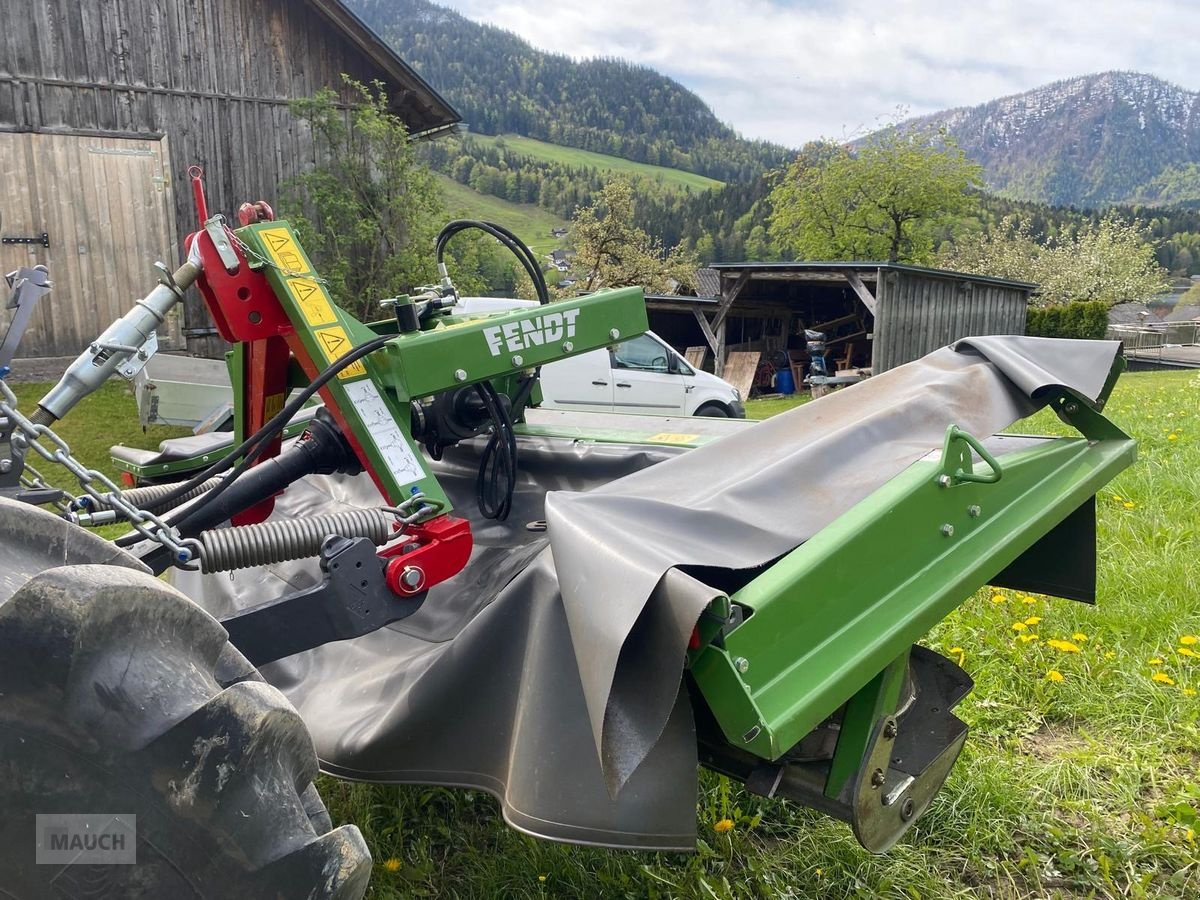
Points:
(105, 207)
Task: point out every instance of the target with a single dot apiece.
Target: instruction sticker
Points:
(335, 343)
(309, 296)
(667, 437)
(283, 250)
(381, 425)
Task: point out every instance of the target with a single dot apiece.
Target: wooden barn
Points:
(104, 104)
(876, 315)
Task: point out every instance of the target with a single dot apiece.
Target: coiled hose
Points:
(243, 546)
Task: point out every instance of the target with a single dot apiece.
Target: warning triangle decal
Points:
(275, 241)
(303, 289)
(331, 341)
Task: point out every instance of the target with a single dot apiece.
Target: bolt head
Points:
(614, 333)
(878, 778)
(460, 374)
(948, 530)
(518, 360)
(1071, 408)
(889, 730)
(974, 511)
(568, 346)
(907, 809)
(5, 465)
(742, 664)
(411, 576)
(943, 481)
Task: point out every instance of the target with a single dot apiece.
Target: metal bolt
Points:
(889, 730)
(460, 374)
(741, 664)
(907, 809)
(948, 530)
(518, 361)
(877, 778)
(411, 576)
(943, 481)
(5, 465)
(973, 511)
(613, 333)
(568, 346)
(1071, 408)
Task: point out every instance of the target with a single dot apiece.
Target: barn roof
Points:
(799, 269)
(423, 109)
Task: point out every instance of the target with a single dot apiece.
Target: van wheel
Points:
(713, 411)
(115, 700)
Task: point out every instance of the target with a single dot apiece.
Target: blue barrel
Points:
(784, 382)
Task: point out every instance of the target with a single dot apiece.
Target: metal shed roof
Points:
(800, 268)
(425, 110)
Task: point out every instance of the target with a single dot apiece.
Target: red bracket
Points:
(444, 548)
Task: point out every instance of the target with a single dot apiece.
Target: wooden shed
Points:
(104, 104)
(876, 315)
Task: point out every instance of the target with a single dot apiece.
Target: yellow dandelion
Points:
(1129, 504)
(392, 864)
(1162, 678)
(820, 872)
(542, 877)
(1019, 626)
(1190, 837)
(1063, 646)
(1186, 651)
(1155, 660)
(1188, 639)
(1189, 692)
(1108, 654)
(1026, 638)
(1033, 620)
(1029, 600)
(998, 598)
(1117, 497)
(723, 825)
(1079, 636)
(1054, 675)
(962, 654)
(1172, 437)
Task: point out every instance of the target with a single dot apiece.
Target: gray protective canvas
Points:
(549, 671)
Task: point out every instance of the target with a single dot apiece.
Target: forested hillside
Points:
(501, 84)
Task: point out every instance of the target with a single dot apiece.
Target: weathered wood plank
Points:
(740, 370)
(860, 290)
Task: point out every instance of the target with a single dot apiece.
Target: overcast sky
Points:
(792, 70)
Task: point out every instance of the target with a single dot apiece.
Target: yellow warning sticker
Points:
(667, 437)
(310, 297)
(283, 250)
(335, 343)
(272, 406)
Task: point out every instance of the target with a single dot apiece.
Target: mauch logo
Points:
(91, 840)
(548, 328)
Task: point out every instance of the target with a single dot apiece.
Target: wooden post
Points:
(706, 328)
(719, 353)
(868, 300)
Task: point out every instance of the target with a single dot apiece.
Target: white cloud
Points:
(791, 71)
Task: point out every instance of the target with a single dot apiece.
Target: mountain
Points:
(503, 85)
(1095, 140)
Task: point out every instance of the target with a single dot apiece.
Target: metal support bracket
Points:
(42, 239)
(957, 464)
(353, 599)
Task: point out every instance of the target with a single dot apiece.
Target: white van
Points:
(643, 375)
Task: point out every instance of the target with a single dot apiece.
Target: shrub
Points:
(1087, 321)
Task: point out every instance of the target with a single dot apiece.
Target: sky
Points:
(794, 70)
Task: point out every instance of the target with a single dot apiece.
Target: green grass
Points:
(531, 224)
(1081, 788)
(676, 179)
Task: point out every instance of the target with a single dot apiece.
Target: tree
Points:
(1108, 261)
(610, 251)
(880, 200)
(374, 208)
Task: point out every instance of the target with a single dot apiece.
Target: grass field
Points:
(1080, 778)
(532, 224)
(671, 178)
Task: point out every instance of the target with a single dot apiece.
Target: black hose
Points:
(514, 244)
(251, 448)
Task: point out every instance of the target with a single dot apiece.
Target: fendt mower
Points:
(436, 582)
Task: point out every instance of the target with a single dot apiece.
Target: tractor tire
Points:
(119, 696)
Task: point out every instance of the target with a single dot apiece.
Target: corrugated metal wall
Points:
(917, 314)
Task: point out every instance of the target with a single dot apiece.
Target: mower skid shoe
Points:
(911, 753)
(114, 701)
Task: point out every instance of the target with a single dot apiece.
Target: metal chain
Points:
(34, 480)
(148, 525)
(257, 260)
